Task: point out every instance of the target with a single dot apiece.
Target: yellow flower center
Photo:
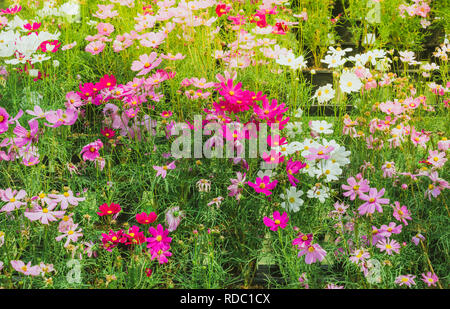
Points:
(291, 200)
(159, 238)
(311, 249)
(12, 200)
(70, 232)
(371, 200)
(277, 221)
(66, 194)
(45, 210)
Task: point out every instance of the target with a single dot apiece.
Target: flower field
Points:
(203, 144)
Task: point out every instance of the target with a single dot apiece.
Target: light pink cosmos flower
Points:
(95, 47)
(407, 280)
(388, 245)
(13, 198)
(416, 239)
(373, 201)
(359, 255)
(436, 158)
(46, 268)
(388, 169)
(388, 230)
(44, 215)
(430, 278)
(146, 63)
(60, 117)
(216, 201)
(26, 269)
(105, 28)
(237, 185)
(319, 153)
(162, 170)
(313, 253)
(66, 199)
(72, 234)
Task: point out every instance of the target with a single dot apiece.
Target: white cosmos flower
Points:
(324, 94)
(333, 61)
(330, 170)
(319, 192)
(292, 200)
(293, 129)
(349, 82)
(321, 127)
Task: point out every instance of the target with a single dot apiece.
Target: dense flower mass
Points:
(185, 144)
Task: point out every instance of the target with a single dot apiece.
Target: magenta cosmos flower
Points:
(355, 188)
(263, 185)
(144, 218)
(373, 201)
(90, 151)
(159, 239)
(277, 221)
(4, 123)
(313, 253)
(106, 210)
(401, 213)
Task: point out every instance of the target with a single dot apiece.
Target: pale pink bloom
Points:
(69, 46)
(405, 280)
(401, 213)
(26, 269)
(436, 158)
(46, 268)
(388, 230)
(355, 188)
(216, 201)
(313, 253)
(162, 170)
(173, 218)
(72, 234)
(13, 199)
(66, 198)
(170, 56)
(44, 215)
(105, 28)
(146, 63)
(388, 169)
(388, 245)
(95, 47)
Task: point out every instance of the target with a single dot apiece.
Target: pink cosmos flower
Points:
(161, 255)
(401, 213)
(388, 245)
(302, 240)
(388, 169)
(4, 123)
(72, 234)
(44, 215)
(416, 239)
(263, 185)
(105, 28)
(13, 199)
(66, 199)
(146, 63)
(436, 158)
(61, 117)
(237, 185)
(388, 230)
(26, 269)
(319, 153)
(293, 167)
(90, 151)
(359, 255)
(313, 253)
(95, 47)
(430, 278)
(373, 201)
(277, 221)
(355, 188)
(162, 170)
(407, 280)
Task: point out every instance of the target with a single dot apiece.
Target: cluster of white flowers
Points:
(291, 61)
(24, 47)
(324, 94)
(69, 10)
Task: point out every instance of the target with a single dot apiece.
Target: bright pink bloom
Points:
(278, 221)
(90, 151)
(106, 210)
(159, 239)
(263, 185)
(144, 218)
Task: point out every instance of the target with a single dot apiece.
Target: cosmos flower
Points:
(278, 221)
